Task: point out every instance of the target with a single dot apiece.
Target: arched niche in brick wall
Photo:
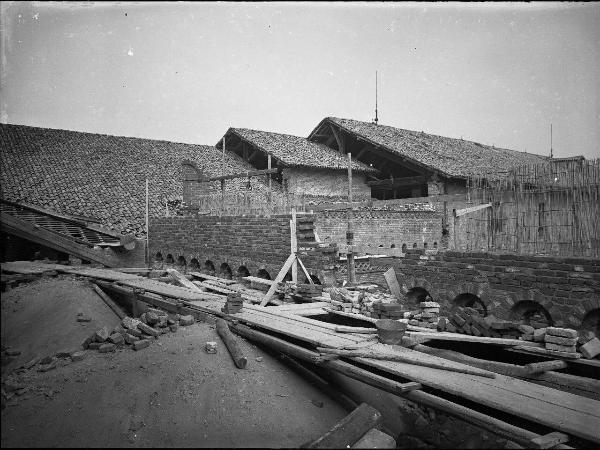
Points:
(158, 257)
(531, 313)
(262, 273)
(225, 271)
(194, 264)
(416, 295)
(243, 271)
(472, 301)
(170, 259)
(209, 267)
(591, 321)
(181, 261)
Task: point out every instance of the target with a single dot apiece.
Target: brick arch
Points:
(591, 321)
(523, 310)
(225, 271)
(411, 282)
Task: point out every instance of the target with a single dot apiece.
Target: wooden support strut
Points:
(232, 345)
(109, 302)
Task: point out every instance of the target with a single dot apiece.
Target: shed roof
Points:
(102, 176)
(451, 157)
(296, 151)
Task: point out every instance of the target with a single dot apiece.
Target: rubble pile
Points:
(234, 303)
(567, 340)
(466, 320)
(136, 332)
(427, 316)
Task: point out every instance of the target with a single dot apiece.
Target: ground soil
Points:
(172, 394)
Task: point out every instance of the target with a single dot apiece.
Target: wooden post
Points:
(350, 232)
(223, 174)
(294, 245)
(270, 198)
(147, 252)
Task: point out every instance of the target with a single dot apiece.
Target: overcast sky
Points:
(493, 73)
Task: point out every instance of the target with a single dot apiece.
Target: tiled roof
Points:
(451, 157)
(102, 176)
(297, 151)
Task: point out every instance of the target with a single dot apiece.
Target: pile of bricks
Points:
(369, 299)
(562, 340)
(466, 320)
(344, 300)
(427, 316)
(387, 311)
(136, 332)
(306, 293)
(589, 344)
(234, 303)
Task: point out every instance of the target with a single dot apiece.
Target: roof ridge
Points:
(103, 134)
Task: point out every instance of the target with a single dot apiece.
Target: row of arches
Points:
(224, 269)
(526, 311)
(414, 245)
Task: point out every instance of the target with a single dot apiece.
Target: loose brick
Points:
(186, 320)
(561, 348)
(429, 305)
(526, 329)
(539, 334)
(106, 348)
(151, 318)
(116, 338)
(135, 332)
(129, 323)
(585, 336)
(148, 330)
(441, 324)
(139, 345)
(560, 340)
(590, 349)
(88, 341)
(101, 335)
(94, 345)
(78, 356)
(84, 319)
(174, 327)
(430, 310)
(458, 320)
(450, 327)
(130, 339)
(563, 332)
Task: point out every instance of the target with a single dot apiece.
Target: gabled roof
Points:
(451, 157)
(296, 151)
(102, 176)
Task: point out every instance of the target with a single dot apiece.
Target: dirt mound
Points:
(40, 318)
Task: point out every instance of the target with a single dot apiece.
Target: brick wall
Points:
(332, 183)
(381, 227)
(256, 243)
(567, 288)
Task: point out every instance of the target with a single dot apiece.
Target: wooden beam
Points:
(251, 173)
(362, 151)
(462, 212)
(253, 155)
(278, 279)
(109, 302)
(183, 281)
(397, 182)
(338, 139)
(231, 343)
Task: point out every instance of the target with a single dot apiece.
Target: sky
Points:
(493, 73)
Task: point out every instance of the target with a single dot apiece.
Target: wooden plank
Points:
(169, 290)
(294, 246)
(559, 410)
(55, 241)
(306, 274)
(30, 267)
(102, 274)
(462, 212)
(392, 282)
(350, 429)
(278, 279)
(183, 281)
(204, 276)
(445, 336)
(486, 422)
(259, 280)
(391, 203)
(407, 358)
(580, 361)
(553, 353)
(549, 440)
(250, 173)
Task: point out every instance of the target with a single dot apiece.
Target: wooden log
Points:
(543, 351)
(404, 359)
(491, 424)
(350, 429)
(544, 366)
(230, 342)
(550, 440)
(375, 439)
(110, 302)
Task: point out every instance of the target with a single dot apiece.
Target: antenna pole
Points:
(551, 151)
(376, 118)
